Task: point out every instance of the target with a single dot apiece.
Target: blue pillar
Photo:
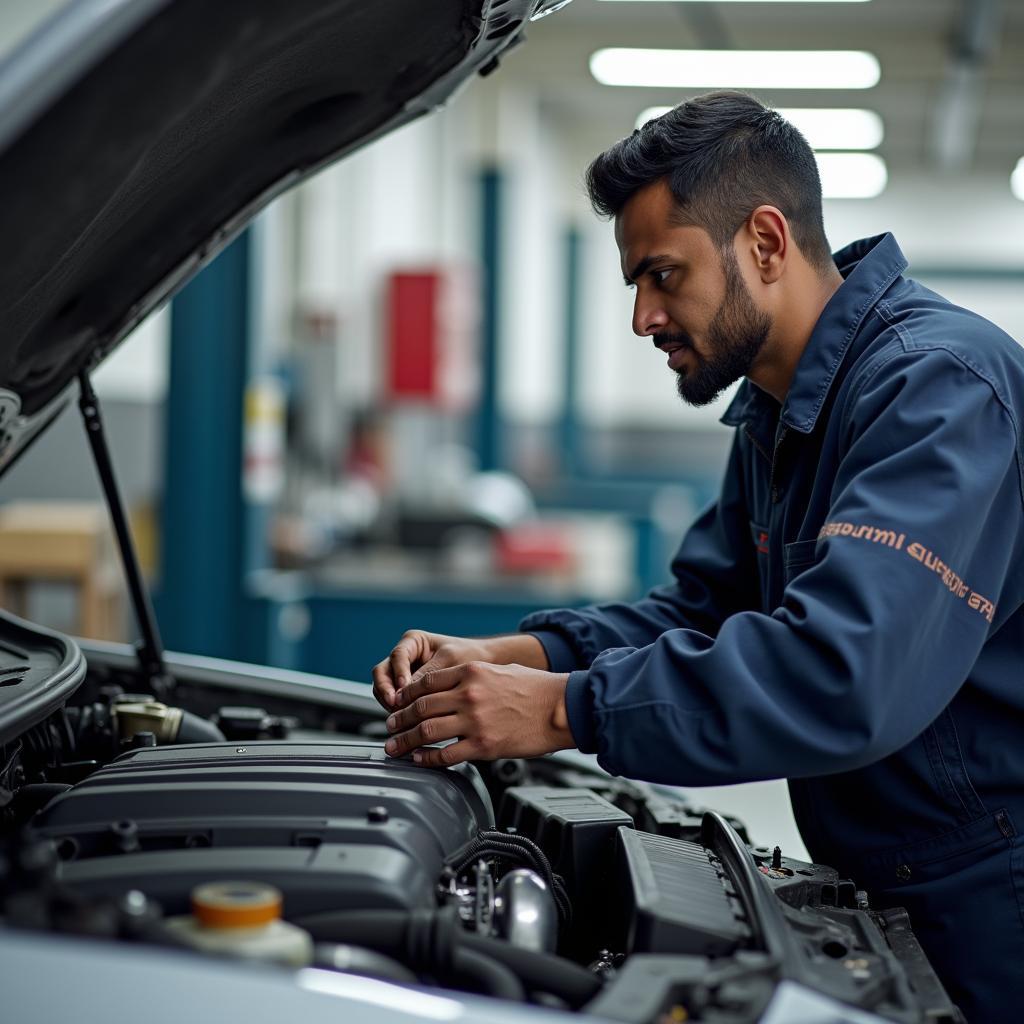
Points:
(568, 425)
(203, 550)
(488, 433)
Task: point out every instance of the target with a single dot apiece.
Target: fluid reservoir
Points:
(242, 919)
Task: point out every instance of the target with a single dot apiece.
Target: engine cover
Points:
(335, 826)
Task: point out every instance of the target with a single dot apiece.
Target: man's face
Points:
(691, 299)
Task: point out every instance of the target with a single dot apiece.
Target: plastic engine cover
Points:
(335, 826)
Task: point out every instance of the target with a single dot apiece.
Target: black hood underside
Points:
(143, 164)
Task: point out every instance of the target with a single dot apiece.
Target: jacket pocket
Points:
(949, 770)
(798, 556)
(929, 863)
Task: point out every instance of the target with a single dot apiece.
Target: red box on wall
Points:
(431, 335)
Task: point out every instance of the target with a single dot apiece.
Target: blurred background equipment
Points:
(57, 562)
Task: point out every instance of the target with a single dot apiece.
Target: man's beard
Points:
(736, 335)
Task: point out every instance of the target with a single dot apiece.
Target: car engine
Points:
(541, 881)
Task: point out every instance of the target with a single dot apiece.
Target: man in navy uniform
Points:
(849, 614)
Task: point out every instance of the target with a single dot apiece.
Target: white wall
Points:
(971, 225)
(530, 366)
(379, 210)
(137, 370)
(938, 220)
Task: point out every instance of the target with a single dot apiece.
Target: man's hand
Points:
(419, 652)
(493, 710)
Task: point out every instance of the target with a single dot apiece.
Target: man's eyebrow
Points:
(643, 265)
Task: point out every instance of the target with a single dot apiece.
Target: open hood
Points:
(137, 137)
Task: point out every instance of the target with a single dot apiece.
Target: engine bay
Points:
(541, 881)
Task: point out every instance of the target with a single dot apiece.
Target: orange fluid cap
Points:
(235, 904)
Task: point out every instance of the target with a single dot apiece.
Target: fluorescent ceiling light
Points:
(736, 69)
(836, 128)
(1017, 180)
(851, 175)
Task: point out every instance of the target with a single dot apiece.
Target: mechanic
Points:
(848, 614)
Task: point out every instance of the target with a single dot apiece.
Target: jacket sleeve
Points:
(922, 543)
(715, 574)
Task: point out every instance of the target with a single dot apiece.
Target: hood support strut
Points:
(149, 648)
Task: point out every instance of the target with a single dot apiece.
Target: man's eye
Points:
(661, 275)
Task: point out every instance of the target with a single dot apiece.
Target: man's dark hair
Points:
(722, 154)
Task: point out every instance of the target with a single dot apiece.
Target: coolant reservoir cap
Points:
(235, 904)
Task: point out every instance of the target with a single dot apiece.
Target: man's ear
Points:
(769, 242)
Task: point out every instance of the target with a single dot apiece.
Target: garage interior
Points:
(408, 394)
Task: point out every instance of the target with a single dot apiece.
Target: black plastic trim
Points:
(764, 911)
(31, 701)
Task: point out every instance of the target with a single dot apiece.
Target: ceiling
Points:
(951, 93)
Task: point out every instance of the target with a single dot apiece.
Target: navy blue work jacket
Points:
(848, 615)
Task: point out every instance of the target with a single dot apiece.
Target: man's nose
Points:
(648, 318)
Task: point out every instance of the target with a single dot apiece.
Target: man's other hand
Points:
(419, 652)
(493, 711)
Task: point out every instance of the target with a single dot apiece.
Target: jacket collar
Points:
(869, 267)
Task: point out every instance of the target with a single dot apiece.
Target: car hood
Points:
(137, 137)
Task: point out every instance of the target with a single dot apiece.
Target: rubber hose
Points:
(386, 931)
(542, 971)
(194, 729)
(383, 930)
(494, 978)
